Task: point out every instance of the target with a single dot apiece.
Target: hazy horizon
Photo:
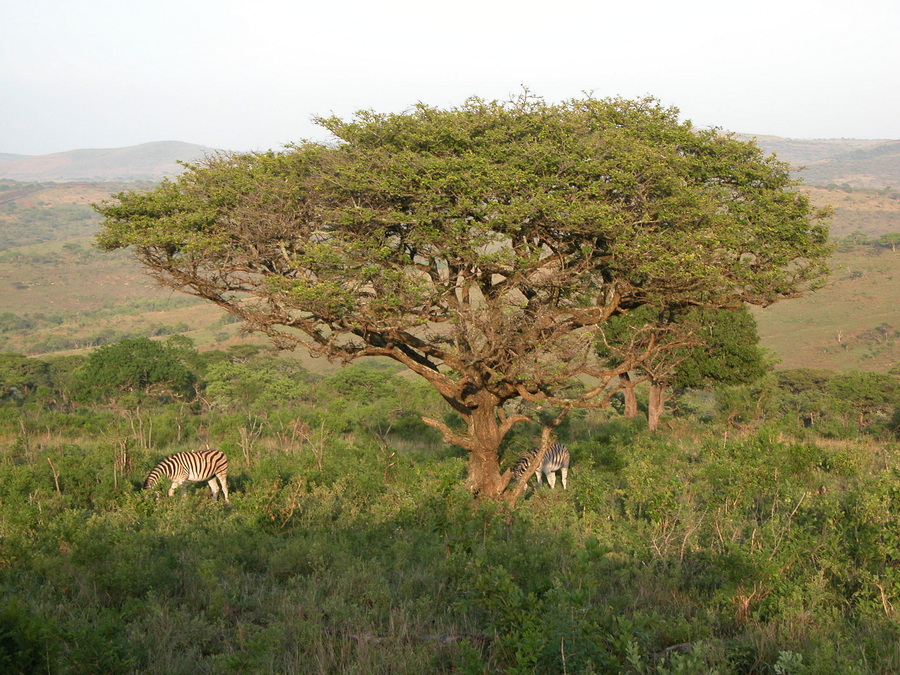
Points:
(241, 75)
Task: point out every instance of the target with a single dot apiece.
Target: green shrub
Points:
(26, 641)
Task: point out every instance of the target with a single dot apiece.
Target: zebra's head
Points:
(152, 479)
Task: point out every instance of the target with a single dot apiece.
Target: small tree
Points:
(20, 376)
(481, 246)
(661, 341)
(137, 366)
(890, 240)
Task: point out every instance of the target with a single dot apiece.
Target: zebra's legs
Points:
(175, 485)
(214, 487)
(551, 479)
(223, 480)
(564, 473)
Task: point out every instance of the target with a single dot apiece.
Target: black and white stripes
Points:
(202, 465)
(556, 459)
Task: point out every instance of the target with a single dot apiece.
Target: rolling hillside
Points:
(867, 164)
(875, 167)
(148, 161)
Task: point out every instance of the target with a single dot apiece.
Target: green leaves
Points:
(614, 189)
(137, 365)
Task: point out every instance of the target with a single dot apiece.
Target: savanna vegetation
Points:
(754, 532)
(485, 247)
(722, 516)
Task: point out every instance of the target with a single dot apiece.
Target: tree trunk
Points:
(487, 425)
(656, 404)
(631, 406)
(484, 478)
(484, 461)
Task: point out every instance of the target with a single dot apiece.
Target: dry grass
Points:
(872, 212)
(828, 329)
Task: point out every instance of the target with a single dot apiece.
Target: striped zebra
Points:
(556, 459)
(202, 465)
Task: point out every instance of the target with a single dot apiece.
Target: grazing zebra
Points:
(556, 459)
(202, 465)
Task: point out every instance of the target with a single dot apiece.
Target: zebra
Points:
(202, 465)
(556, 459)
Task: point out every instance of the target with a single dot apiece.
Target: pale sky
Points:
(250, 74)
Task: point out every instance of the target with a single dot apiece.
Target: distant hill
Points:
(868, 164)
(148, 161)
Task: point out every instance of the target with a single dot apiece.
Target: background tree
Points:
(889, 240)
(20, 376)
(480, 246)
(693, 349)
(140, 367)
(48, 381)
(728, 354)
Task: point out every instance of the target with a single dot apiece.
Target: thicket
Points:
(756, 532)
(889, 240)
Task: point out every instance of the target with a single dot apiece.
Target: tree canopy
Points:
(139, 366)
(480, 246)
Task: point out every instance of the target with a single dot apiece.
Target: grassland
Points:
(851, 323)
(871, 212)
(719, 545)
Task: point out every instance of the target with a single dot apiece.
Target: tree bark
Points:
(631, 406)
(656, 404)
(487, 432)
(486, 428)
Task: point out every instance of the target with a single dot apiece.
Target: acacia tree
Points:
(480, 246)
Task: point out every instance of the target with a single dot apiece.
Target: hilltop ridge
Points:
(869, 164)
(147, 161)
